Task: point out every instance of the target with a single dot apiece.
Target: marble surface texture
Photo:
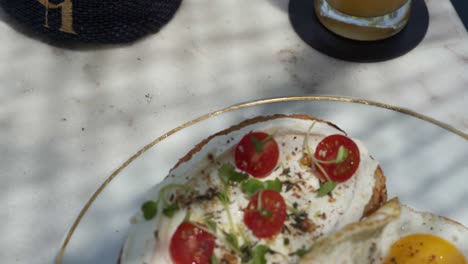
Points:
(69, 117)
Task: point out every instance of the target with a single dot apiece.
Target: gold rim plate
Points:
(297, 99)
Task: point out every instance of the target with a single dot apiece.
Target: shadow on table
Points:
(281, 4)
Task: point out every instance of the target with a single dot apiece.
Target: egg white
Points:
(370, 240)
(411, 221)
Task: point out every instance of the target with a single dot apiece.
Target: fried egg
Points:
(149, 240)
(394, 234)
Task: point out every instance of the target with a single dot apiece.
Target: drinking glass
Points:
(364, 20)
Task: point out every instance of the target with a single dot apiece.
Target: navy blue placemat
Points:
(71, 22)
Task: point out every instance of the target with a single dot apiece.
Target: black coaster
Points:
(308, 27)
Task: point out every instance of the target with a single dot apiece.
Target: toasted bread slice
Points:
(210, 154)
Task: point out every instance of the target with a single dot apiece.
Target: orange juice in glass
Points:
(365, 20)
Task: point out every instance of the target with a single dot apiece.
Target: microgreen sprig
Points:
(254, 254)
(224, 199)
(302, 252)
(327, 187)
(150, 207)
(228, 174)
(263, 212)
(227, 238)
(340, 157)
(251, 186)
(260, 144)
(258, 254)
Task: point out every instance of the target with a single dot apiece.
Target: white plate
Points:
(425, 161)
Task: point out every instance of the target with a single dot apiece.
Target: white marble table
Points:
(68, 118)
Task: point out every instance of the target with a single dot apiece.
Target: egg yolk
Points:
(424, 248)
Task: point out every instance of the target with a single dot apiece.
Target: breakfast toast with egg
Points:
(265, 188)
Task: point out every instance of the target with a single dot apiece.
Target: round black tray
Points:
(308, 27)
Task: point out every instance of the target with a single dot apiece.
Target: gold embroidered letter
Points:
(67, 14)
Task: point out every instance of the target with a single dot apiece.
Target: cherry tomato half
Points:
(257, 163)
(268, 224)
(327, 150)
(191, 245)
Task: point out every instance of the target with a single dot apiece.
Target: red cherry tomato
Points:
(257, 163)
(327, 149)
(191, 245)
(270, 223)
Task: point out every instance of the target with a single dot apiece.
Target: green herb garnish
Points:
(211, 224)
(171, 209)
(244, 236)
(232, 240)
(228, 174)
(341, 156)
(302, 252)
(263, 212)
(329, 185)
(252, 186)
(274, 185)
(149, 209)
(259, 146)
(326, 188)
(223, 197)
(258, 254)
(228, 241)
(187, 216)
